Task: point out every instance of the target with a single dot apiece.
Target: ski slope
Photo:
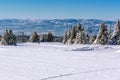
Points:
(55, 61)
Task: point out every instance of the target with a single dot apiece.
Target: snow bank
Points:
(90, 48)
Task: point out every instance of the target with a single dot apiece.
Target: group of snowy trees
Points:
(77, 35)
(8, 38)
(41, 38)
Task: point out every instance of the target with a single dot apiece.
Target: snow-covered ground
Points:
(54, 61)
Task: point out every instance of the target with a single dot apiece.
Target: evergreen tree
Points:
(42, 38)
(109, 32)
(78, 39)
(81, 37)
(72, 35)
(23, 37)
(102, 37)
(50, 37)
(34, 37)
(68, 34)
(115, 39)
(8, 38)
(65, 38)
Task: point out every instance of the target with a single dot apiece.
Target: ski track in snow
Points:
(65, 75)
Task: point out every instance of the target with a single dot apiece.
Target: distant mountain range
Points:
(57, 26)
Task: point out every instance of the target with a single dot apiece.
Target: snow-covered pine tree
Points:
(65, 37)
(72, 35)
(21, 38)
(46, 37)
(73, 32)
(115, 39)
(34, 37)
(109, 32)
(8, 38)
(68, 34)
(5, 38)
(42, 38)
(103, 36)
(13, 39)
(81, 37)
(49, 37)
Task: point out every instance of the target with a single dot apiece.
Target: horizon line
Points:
(60, 18)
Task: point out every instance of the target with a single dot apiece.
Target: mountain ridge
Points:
(56, 26)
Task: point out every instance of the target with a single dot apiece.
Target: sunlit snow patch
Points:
(118, 51)
(2, 49)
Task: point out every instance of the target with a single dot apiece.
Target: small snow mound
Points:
(91, 48)
(104, 47)
(83, 49)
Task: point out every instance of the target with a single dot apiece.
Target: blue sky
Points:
(49, 9)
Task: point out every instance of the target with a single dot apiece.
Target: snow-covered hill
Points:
(57, 26)
(55, 61)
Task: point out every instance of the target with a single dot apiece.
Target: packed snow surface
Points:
(55, 61)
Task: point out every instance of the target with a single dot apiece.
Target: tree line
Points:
(77, 35)
(74, 35)
(9, 38)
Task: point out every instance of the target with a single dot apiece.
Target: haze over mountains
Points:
(56, 26)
